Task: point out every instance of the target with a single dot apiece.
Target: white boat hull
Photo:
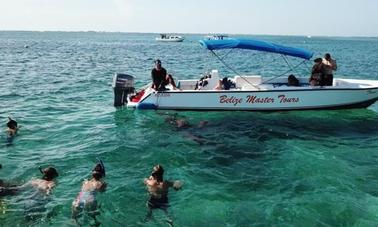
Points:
(260, 101)
(277, 99)
(170, 39)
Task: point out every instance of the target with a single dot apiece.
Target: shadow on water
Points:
(247, 134)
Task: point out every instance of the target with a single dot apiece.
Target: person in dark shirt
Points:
(160, 78)
(330, 65)
(317, 73)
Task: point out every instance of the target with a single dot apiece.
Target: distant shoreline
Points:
(200, 34)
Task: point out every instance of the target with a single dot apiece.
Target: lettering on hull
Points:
(253, 99)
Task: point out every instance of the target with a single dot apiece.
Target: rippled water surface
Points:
(312, 168)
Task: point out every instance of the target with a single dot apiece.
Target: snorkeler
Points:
(12, 127)
(182, 123)
(86, 199)
(45, 185)
(158, 191)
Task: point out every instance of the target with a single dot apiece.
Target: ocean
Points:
(297, 168)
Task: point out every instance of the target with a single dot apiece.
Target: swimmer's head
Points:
(49, 173)
(157, 173)
(98, 171)
(97, 175)
(181, 123)
(12, 124)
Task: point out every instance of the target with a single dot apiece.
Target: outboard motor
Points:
(123, 85)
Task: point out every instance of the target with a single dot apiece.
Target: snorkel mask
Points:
(157, 173)
(48, 173)
(12, 124)
(99, 168)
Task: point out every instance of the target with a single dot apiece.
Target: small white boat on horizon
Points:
(248, 92)
(216, 37)
(169, 38)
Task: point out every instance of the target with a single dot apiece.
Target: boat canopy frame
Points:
(258, 45)
(254, 44)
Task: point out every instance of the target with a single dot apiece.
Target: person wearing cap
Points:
(317, 73)
(158, 191)
(86, 199)
(330, 65)
(160, 78)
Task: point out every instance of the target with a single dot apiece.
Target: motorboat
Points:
(216, 37)
(248, 92)
(169, 38)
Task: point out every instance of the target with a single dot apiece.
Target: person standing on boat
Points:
(158, 191)
(330, 65)
(160, 78)
(317, 73)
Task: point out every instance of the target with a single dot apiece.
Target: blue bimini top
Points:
(252, 44)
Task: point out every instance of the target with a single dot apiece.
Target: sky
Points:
(265, 17)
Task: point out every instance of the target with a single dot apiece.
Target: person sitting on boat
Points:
(160, 78)
(158, 191)
(292, 81)
(203, 82)
(317, 73)
(225, 84)
(86, 199)
(330, 66)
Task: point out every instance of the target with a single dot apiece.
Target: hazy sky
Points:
(278, 17)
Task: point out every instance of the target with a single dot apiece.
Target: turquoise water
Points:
(312, 168)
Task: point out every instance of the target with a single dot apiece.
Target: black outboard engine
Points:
(123, 85)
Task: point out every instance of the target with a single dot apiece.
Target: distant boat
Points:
(169, 38)
(216, 37)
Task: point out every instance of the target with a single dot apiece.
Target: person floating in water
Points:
(158, 191)
(190, 131)
(44, 185)
(86, 199)
(182, 123)
(12, 128)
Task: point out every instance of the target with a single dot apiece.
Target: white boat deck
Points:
(257, 83)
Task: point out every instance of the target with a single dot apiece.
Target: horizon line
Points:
(194, 33)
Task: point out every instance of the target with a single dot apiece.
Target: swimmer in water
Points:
(158, 192)
(11, 131)
(44, 185)
(86, 199)
(12, 127)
